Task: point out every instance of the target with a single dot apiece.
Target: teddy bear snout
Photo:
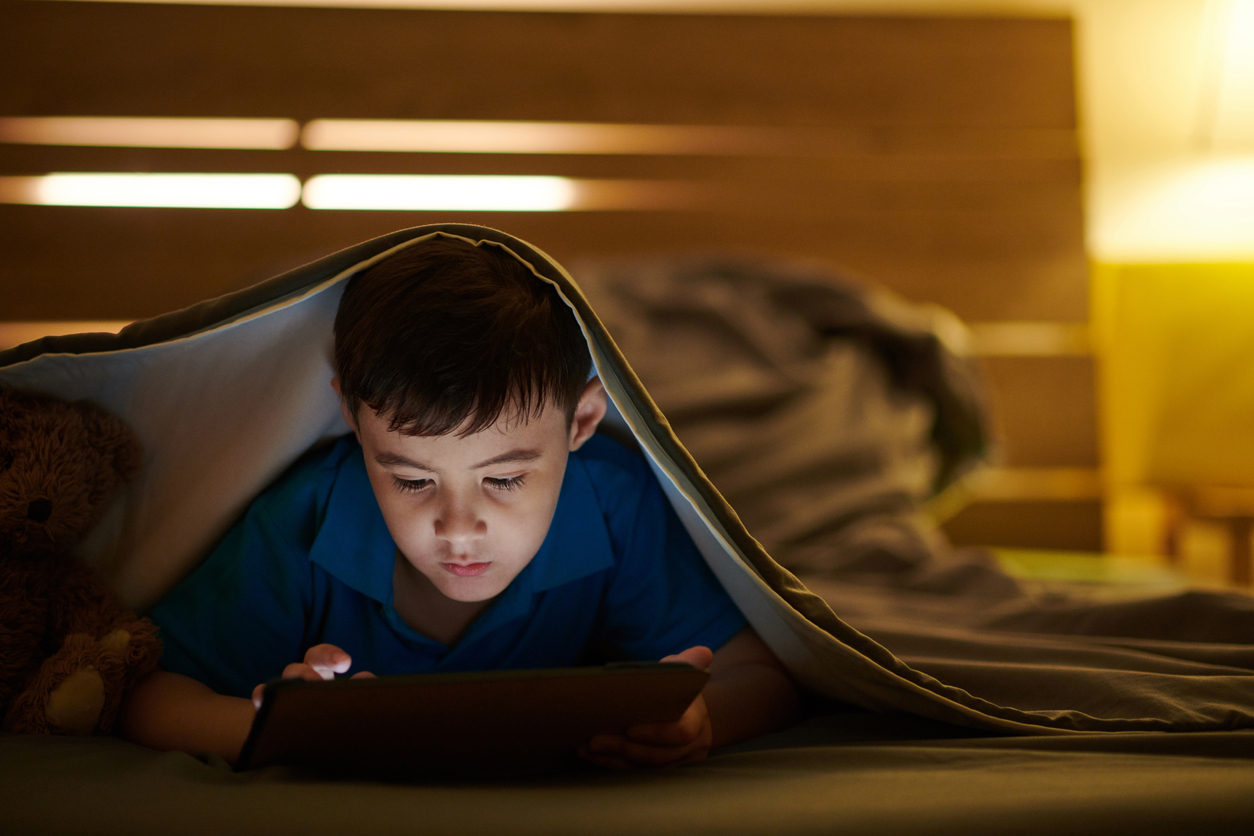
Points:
(39, 511)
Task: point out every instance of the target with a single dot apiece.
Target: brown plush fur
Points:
(69, 650)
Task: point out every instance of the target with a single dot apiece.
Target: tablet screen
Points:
(462, 725)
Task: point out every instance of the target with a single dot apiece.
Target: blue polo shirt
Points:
(311, 561)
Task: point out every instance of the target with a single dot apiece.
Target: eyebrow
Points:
(391, 459)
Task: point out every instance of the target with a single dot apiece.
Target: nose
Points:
(39, 510)
(460, 523)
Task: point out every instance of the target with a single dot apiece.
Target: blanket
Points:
(828, 413)
(226, 394)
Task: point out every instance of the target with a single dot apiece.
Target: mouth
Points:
(466, 570)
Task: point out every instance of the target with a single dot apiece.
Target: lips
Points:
(466, 570)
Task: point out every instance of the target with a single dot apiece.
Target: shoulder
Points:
(632, 503)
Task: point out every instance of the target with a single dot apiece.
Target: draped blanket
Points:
(811, 421)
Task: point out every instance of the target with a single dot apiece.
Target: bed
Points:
(937, 155)
(942, 694)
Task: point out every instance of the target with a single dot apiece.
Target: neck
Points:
(428, 610)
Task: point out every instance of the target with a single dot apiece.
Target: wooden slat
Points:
(15, 333)
(71, 59)
(1015, 160)
(79, 262)
(1044, 409)
(1040, 524)
(949, 171)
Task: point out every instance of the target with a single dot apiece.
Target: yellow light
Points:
(1192, 209)
(493, 137)
(149, 132)
(1226, 101)
(421, 192)
(1234, 114)
(207, 191)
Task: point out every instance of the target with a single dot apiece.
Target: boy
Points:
(472, 520)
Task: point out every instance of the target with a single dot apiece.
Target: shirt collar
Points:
(353, 543)
(577, 544)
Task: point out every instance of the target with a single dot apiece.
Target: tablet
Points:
(459, 725)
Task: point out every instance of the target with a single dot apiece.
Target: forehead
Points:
(511, 431)
(511, 417)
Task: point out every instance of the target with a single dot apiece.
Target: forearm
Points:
(168, 711)
(749, 700)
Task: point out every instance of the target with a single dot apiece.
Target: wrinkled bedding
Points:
(821, 410)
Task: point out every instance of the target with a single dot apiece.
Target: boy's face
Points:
(470, 512)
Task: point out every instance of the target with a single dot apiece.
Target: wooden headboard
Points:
(937, 156)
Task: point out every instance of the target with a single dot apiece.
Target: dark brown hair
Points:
(444, 332)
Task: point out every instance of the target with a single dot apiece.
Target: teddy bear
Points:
(69, 649)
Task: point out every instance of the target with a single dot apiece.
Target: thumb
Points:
(698, 657)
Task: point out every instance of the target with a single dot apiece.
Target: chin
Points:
(470, 593)
(471, 598)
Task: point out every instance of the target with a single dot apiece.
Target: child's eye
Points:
(505, 484)
(410, 485)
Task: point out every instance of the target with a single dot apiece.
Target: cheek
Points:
(529, 529)
(404, 521)
(532, 520)
(521, 523)
(405, 518)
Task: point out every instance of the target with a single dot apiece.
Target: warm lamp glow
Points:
(1188, 209)
(149, 132)
(1227, 102)
(207, 191)
(422, 192)
(396, 192)
(1030, 339)
(495, 137)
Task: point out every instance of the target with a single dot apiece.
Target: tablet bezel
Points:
(457, 725)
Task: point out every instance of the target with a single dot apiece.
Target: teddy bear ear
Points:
(112, 437)
(14, 402)
(16, 407)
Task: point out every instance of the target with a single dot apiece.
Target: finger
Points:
(257, 693)
(664, 734)
(606, 761)
(681, 732)
(299, 670)
(642, 754)
(605, 744)
(328, 660)
(699, 657)
(363, 675)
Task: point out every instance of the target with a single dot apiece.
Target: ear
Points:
(588, 413)
(349, 417)
(112, 437)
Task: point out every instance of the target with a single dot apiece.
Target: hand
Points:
(322, 661)
(685, 740)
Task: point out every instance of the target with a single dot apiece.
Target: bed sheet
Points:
(847, 772)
